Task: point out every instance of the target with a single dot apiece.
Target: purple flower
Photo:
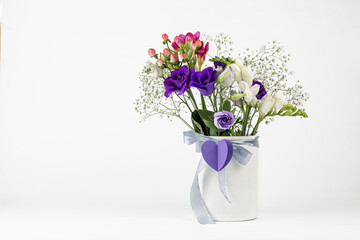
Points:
(223, 120)
(262, 92)
(220, 64)
(204, 81)
(177, 82)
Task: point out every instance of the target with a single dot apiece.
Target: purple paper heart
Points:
(217, 156)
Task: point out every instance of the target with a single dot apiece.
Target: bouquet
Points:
(228, 96)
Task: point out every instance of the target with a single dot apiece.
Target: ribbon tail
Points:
(242, 155)
(222, 184)
(196, 200)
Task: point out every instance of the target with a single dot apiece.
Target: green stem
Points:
(251, 118)
(212, 103)
(184, 103)
(243, 130)
(193, 98)
(183, 120)
(215, 106)
(221, 100)
(257, 125)
(203, 104)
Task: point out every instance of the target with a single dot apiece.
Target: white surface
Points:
(175, 224)
(68, 130)
(242, 187)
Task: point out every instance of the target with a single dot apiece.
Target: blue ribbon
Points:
(240, 154)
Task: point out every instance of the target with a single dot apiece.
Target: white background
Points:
(75, 163)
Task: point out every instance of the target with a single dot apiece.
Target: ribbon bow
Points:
(240, 154)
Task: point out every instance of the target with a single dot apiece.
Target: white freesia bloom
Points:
(245, 73)
(223, 77)
(239, 62)
(279, 99)
(236, 70)
(231, 73)
(250, 92)
(266, 105)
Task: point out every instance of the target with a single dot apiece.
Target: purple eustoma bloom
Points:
(223, 120)
(204, 81)
(177, 82)
(262, 92)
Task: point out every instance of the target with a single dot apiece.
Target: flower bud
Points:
(162, 57)
(182, 56)
(224, 75)
(287, 113)
(160, 62)
(173, 57)
(236, 96)
(286, 107)
(198, 43)
(165, 36)
(167, 52)
(151, 52)
(176, 38)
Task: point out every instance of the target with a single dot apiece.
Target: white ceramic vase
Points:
(241, 186)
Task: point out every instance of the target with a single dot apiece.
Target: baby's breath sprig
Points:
(269, 65)
(151, 100)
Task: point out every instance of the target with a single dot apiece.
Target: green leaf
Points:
(213, 132)
(227, 106)
(225, 133)
(199, 125)
(208, 119)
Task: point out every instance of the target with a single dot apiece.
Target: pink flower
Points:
(196, 36)
(173, 57)
(181, 39)
(193, 39)
(182, 56)
(198, 43)
(165, 36)
(189, 37)
(159, 62)
(167, 52)
(175, 46)
(201, 53)
(151, 52)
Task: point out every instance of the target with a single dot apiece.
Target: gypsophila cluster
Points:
(222, 42)
(151, 101)
(269, 65)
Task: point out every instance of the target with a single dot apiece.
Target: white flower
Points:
(231, 73)
(224, 76)
(245, 72)
(247, 75)
(266, 105)
(155, 70)
(239, 62)
(279, 99)
(250, 92)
